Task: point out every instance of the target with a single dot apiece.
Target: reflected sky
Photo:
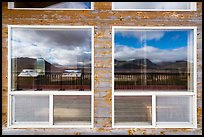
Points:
(57, 46)
(72, 5)
(156, 45)
(68, 5)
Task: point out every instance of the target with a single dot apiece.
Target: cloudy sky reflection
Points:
(156, 45)
(57, 46)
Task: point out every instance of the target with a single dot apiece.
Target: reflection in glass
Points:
(55, 5)
(152, 5)
(153, 60)
(72, 110)
(134, 110)
(51, 59)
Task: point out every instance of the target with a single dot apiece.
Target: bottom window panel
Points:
(174, 109)
(72, 110)
(30, 109)
(134, 110)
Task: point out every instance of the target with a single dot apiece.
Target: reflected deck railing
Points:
(52, 82)
(150, 81)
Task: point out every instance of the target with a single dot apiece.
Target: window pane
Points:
(152, 5)
(153, 59)
(134, 110)
(51, 59)
(28, 108)
(51, 5)
(72, 110)
(173, 109)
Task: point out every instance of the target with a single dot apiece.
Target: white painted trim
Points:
(113, 49)
(154, 27)
(154, 106)
(51, 110)
(143, 93)
(158, 93)
(9, 79)
(49, 26)
(130, 126)
(193, 7)
(48, 126)
(175, 125)
(195, 77)
(12, 109)
(49, 93)
(11, 6)
(92, 78)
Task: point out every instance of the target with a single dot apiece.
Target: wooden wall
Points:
(102, 18)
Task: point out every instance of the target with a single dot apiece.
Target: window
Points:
(51, 5)
(154, 76)
(50, 72)
(154, 6)
(133, 109)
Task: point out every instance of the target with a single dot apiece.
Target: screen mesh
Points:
(134, 110)
(27, 108)
(173, 109)
(72, 110)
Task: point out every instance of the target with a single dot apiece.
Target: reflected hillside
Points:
(39, 74)
(143, 74)
(141, 64)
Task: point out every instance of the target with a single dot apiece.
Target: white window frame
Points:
(49, 93)
(154, 94)
(11, 6)
(193, 7)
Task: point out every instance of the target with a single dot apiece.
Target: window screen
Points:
(133, 110)
(173, 108)
(72, 110)
(27, 108)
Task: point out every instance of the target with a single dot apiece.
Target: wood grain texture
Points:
(102, 18)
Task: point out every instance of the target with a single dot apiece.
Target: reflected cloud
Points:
(59, 46)
(125, 53)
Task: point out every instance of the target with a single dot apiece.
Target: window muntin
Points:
(32, 94)
(154, 6)
(51, 59)
(51, 5)
(152, 60)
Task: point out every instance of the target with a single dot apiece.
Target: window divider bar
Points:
(51, 110)
(154, 110)
(51, 92)
(12, 109)
(146, 93)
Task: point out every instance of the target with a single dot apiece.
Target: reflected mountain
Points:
(18, 64)
(140, 64)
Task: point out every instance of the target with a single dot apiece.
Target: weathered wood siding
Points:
(102, 18)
